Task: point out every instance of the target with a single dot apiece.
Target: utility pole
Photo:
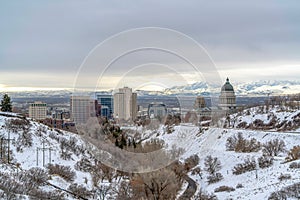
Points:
(43, 149)
(8, 146)
(50, 149)
(1, 146)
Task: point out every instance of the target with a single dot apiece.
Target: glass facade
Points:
(106, 101)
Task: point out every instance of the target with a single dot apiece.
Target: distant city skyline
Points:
(43, 44)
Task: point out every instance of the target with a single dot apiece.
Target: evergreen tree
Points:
(6, 104)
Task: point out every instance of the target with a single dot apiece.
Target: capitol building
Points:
(227, 98)
(226, 103)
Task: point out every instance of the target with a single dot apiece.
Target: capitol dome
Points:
(227, 86)
(227, 99)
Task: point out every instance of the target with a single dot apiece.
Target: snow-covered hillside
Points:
(75, 173)
(27, 157)
(277, 118)
(255, 184)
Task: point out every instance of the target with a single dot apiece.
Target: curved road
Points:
(190, 190)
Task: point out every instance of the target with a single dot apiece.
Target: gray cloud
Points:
(55, 36)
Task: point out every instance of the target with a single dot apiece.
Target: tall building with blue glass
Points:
(107, 103)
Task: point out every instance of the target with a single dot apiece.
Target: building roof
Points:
(227, 86)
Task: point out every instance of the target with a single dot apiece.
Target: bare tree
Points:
(203, 195)
(212, 165)
(158, 185)
(273, 147)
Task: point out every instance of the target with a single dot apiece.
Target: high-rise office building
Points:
(38, 110)
(82, 108)
(134, 107)
(106, 102)
(125, 106)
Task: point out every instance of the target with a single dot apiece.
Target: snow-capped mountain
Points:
(251, 88)
(263, 88)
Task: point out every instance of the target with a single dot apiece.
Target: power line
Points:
(8, 139)
(43, 149)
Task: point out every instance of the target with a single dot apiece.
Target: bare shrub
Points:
(161, 184)
(27, 183)
(284, 177)
(102, 172)
(203, 195)
(65, 172)
(294, 153)
(224, 189)
(239, 185)
(80, 190)
(178, 169)
(37, 194)
(295, 165)
(24, 140)
(292, 191)
(70, 145)
(265, 161)
(212, 165)
(16, 125)
(65, 154)
(102, 192)
(238, 143)
(37, 175)
(191, 162)
(248, 165)
(84, 165)
(214, 178)
(273, 147)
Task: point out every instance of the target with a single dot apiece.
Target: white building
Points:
(81, 108)
(38, 110)
(227, 99)
(125, 107)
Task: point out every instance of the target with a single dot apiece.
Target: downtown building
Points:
(157, 110)
(125, 104)
(107, 104)
(38, 110)
(82, 108)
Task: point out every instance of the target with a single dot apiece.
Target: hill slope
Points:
(26, 156)
(213, 142)
(80, 176)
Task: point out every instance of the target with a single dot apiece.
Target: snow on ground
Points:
(282, 117)
(28, 157)
(209, 142)
(213, 141)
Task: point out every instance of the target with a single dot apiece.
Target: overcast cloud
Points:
(43, 43)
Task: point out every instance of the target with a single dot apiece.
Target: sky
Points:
(53, 44)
